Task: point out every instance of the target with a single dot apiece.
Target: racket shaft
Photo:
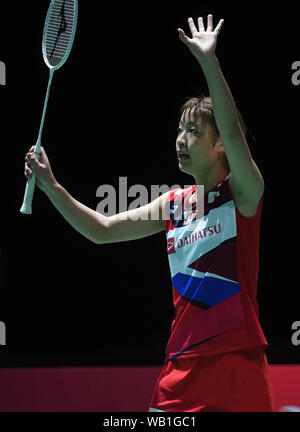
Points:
(30, 185)
(29, 191)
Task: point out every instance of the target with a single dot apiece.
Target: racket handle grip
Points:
(29, 191)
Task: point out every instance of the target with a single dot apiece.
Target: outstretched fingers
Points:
(192, 26)
(195, 32)
(219, 26)
(200, 24)
(183, 36)
(210, 27)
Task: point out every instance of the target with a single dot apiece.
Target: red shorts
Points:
(233, 382)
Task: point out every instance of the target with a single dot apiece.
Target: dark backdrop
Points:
(113, 112)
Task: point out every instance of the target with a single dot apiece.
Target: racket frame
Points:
(44, 49)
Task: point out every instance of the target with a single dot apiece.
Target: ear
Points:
(219, 146)
(222, 154)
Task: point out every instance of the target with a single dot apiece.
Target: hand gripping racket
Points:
(58, 36)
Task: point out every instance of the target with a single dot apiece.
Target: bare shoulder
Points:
(247, 203)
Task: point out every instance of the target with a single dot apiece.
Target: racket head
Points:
(59, 32)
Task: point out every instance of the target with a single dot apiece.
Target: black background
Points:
(112, 113)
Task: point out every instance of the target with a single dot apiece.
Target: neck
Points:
(210, 179)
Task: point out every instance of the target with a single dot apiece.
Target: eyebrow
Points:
(188, 123)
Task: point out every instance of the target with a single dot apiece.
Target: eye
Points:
(178, 130)
(193, 130)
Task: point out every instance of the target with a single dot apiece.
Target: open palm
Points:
(203, 42)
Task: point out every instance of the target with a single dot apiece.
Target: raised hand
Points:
(203, 42)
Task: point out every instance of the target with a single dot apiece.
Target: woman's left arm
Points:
(246, 180)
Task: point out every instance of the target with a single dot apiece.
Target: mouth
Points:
(182, 156)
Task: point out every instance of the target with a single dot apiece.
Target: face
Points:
(199, 144)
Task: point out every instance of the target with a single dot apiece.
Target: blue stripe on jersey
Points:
(209, 290)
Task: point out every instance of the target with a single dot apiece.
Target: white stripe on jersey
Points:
(224, 215)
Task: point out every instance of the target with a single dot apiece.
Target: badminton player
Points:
(215, 357)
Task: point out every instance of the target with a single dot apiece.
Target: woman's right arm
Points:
(129, 225)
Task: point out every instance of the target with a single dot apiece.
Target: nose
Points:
(181, 139)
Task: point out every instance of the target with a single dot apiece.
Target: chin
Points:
(184, 170)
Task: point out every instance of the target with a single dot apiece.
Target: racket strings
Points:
(59, 31)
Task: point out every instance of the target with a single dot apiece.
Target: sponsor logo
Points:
(171, 245)
(192, 238)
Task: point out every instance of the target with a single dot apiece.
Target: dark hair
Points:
(203, 104)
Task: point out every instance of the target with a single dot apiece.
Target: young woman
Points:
(215, 357)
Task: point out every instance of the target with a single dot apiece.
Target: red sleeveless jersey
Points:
(214, 263)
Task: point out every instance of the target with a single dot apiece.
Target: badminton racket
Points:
(58, 37)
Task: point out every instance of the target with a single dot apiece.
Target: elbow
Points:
(101, 234)
(97, 241)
